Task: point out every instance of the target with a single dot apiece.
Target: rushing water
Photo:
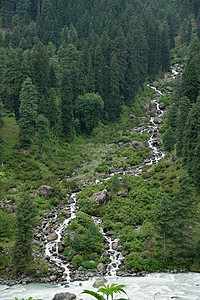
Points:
(157, 286)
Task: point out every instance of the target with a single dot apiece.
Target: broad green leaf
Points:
(96, 295)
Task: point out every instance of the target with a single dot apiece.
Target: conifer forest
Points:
(99, 138)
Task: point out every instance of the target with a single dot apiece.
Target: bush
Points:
(90, 264)
(77, 261)
(134, 261)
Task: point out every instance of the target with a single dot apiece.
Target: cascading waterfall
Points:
(51, 249)
(116, 256)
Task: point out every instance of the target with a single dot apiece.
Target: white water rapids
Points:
(156, 286)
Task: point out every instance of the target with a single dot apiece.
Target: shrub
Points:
(77, 261)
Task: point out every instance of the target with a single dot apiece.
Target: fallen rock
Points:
(137, 145)
(64, 296)
(99, 281)
(101, 197)
(45, 191)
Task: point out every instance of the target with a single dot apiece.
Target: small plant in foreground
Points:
(107, 290)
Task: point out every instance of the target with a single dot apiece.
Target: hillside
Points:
(77, 115)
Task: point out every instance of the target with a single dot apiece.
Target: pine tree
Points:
(183, 218)
(115, 101)
(88, 109)
(183, 110)
(52, 114)
(191, 138)
(165, 56)
(28, 112)
(25, 224)
(43, 133)
(162, 219)
(172, 116)
(168, 140)
(1, 125)
(67, 108)
(191, 76)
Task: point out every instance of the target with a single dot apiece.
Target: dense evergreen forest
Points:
(73, 78)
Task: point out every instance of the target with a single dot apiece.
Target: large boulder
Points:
(101, 197)
(100, 267)
(44, 190)
(64, 296)
(52, 237)
(99, 281)
(137, 145)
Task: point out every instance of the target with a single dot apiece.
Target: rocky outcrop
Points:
(45, 191)
(64, 296)
(101, 197)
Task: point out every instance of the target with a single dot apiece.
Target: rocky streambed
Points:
(50, 234)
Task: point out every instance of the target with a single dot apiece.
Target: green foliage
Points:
(28, 112)
(43, 133)
(88, 110)
(25, 224)
(108, 290)
(86, 240)
(30, 298)
(6, 225)
(168, 140)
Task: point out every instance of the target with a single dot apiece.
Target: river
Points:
(156, 286)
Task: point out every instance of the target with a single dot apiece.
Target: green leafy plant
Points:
(108, 290)
(30, 298)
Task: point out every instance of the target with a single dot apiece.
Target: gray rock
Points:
(114, 246)
(137, 145)
(100, 267)
(101, 197)
(52, 237)
(158, 120)
(152, 107)
(162, 105)
(122, 193)
(45, 191)
(99, 281)
(64, 296)
(131, 116)
(169, 88)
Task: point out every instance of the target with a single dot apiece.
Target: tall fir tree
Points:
(183, 110)
(67, 108)
(28, 112)
(115, 101)
(25, 225)
(183, 219)
(42, 133)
